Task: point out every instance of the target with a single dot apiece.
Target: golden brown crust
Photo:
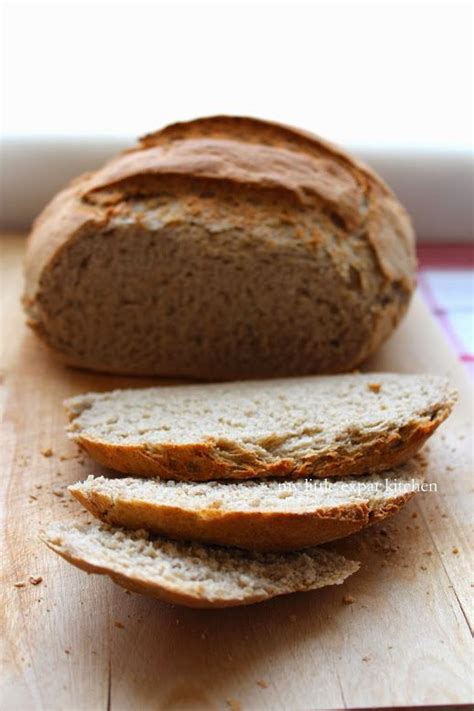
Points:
(273, 532)
(304, 179)
(253, 130)
(248, 153)
(397, 261)
(207, 461)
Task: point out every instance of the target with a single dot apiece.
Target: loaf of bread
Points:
(191, 574)
(221, 248)
(318, 426)
(265, 515)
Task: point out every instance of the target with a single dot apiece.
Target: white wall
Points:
(391, 81)
(375, 73)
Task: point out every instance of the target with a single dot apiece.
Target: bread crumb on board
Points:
(455, 550)
(234, 705)
(374, 387)
(47, 452)
(19, 584)
(119, 625)
(348, 600)
(366, 658)
(35, 579)
(262, 683)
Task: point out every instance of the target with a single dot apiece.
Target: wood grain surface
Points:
(80, 643)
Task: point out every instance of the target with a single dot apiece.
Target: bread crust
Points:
(260, 157)
(207, 461)
(250, 530)
(72, 210)
(172, 594)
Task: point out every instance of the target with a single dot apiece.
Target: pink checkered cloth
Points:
(446, 281)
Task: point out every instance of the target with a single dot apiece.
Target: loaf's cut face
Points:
(316, 426)
(221, 248)
(192, 574)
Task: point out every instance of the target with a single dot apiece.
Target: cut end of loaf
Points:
(220, 248)
(190, 573)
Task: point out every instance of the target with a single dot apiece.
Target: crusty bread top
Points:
(345, 424)
(190, 573)
(264, 159)
(215, 499)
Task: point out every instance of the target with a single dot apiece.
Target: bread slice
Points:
(265, 515)
(192, 574)
(295, 427)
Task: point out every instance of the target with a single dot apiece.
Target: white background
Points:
(370, 74)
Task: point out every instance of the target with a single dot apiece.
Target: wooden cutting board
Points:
(80, 643)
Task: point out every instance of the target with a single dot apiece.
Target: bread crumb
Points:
(348, 599)
(19, 584)
(414, 514)
(58, 492)
(119, 625)
(233, 704)
(38, 486)
(423, 567)
(35, 579)
(33, 497)
(455, 550)
(374, 387)
(67, 651)
(383, 531)
(262, 683)
(47, 452)
(366, 658)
